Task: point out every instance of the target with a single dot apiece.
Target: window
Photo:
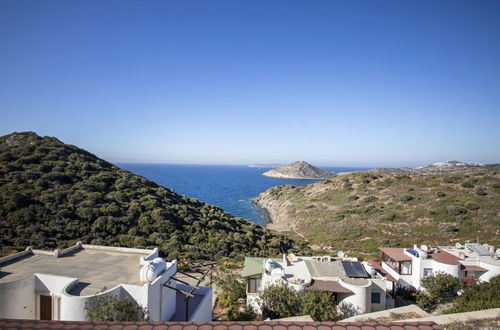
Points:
(375, 297)
(254, 285)
(427, 272)
(405, 268)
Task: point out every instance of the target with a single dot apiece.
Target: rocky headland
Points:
(440, 204)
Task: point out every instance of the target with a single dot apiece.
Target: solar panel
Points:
(354, 269)
(360, 269)
(479, 249)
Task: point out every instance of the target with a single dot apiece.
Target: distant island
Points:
(299, 170)
(265, 165)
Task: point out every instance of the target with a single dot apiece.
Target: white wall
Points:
(204, 310)
(378, 285)
(161, 303)
(361, 297)
(17, 299)
(73, 307)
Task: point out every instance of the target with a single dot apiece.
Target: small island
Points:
(299, 170)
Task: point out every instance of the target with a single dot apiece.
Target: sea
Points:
(230, 187)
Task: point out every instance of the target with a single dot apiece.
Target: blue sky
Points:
(339, 83)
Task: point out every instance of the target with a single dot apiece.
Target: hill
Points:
(53, 194)
(361, 211)
(299, 170)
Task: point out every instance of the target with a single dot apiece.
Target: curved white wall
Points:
(361, 297)
(73, 307)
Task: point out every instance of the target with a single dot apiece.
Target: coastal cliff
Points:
(299, 170)
(360, 211)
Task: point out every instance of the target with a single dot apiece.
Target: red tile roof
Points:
(378, 267)
(396, 254)
(444, 257)
(216, 325)
(474, 268)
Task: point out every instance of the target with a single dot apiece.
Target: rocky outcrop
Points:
(299, 170)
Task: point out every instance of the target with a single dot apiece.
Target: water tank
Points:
(151, 270)
(270, 265)
(369, 269)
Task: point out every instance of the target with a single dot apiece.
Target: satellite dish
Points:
(291, 257)
(340, 254)
(458, 245)
(424, 248)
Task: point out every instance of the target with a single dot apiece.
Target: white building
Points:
(57, 285)
(350, 281)
(407, 267)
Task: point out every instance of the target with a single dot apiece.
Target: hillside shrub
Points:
(479, 296)
(481, 192)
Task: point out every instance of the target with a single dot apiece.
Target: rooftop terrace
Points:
(95, 268)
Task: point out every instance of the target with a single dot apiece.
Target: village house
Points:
(57, 285)
(352, 283)
(407, 267)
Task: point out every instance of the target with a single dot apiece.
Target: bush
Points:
(467, 184)
(481, 192)
(231, 288)
(480, 296)
(236, 314)
(320, 305)
(279, 301)
(110, 308)
(406, 198)
(441, 287)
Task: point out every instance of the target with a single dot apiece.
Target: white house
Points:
(57, 285)
(350, 281)
(407, 267)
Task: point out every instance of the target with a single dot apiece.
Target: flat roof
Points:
(95, 269)
(397, 254)
(332, 286)
(331, 269)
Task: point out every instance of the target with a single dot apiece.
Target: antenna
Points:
(340, 254)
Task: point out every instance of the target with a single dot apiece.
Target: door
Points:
(45, 307)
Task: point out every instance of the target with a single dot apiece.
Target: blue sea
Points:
(228, 187)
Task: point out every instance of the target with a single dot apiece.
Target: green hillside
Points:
(359, 212)
(53, 194)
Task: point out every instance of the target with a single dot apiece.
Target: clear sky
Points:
(339, 83)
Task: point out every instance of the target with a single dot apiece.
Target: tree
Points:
(320, 305)
(279, 301)
(441, 287)
(110, 308)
